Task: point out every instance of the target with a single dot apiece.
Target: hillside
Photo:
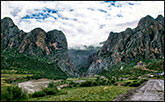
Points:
(37, 43)
(146, 41)
(38, 67)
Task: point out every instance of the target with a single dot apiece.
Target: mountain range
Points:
(146, 41)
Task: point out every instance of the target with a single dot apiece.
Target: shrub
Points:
(38, 94)
(126, 83)
(133, 78)
(87, 83)
(135, 84)
(72, 84)
(109, 82)
(158, 65)
(112, 81)
(103, 81)
(50, 91)
(13, 93)
(52, 85)
(95, 83)
(143, 80)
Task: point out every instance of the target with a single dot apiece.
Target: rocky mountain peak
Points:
(7, 22)
(38, 30)
(160, 18)
(145, 21)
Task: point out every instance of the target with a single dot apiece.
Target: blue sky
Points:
(83, 22)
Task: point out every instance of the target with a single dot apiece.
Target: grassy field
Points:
(81, 78)
(95, 93)
(7, 75)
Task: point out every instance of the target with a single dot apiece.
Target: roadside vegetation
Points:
(12, 93)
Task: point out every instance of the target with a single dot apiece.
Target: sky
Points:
(82, 22)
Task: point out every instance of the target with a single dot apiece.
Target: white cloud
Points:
(84, 31)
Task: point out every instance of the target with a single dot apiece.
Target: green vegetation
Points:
(52, 85)
(133, 83)
(20, 67)
(95, 93)
(39, 94)
(81, 78)
(39, 67)
(44, 92)
(8, 79)
(12, 93)
(132, 71)
(158, 65)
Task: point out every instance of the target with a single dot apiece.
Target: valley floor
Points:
(107, 87)
(95, 93)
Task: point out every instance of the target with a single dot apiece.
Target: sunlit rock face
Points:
(146, 41)
(51, 45)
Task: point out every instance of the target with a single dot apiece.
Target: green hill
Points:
(39, 67)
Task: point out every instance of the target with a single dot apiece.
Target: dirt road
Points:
(35, 85)
(152, 90)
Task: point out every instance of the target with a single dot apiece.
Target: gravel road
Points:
(152, 90)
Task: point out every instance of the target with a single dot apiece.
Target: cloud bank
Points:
(83, 22)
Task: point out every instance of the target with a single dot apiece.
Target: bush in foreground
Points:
(50, 91)
(38, 94)
(44, 92)
(13, 93)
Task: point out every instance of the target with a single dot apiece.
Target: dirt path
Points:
(35, 85)
(152, 90)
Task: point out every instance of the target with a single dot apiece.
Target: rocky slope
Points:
(152, 90)
(82, 59)
(79, 56)
(146, 41)
(51, 45)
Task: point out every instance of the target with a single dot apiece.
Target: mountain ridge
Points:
(51, 45)
(146, 41)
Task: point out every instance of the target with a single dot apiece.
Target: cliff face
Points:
(81, 59)
(146, 41)
(51, 45)
(80, 56)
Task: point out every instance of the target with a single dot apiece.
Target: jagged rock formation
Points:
(146, 41)
(51, 45)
